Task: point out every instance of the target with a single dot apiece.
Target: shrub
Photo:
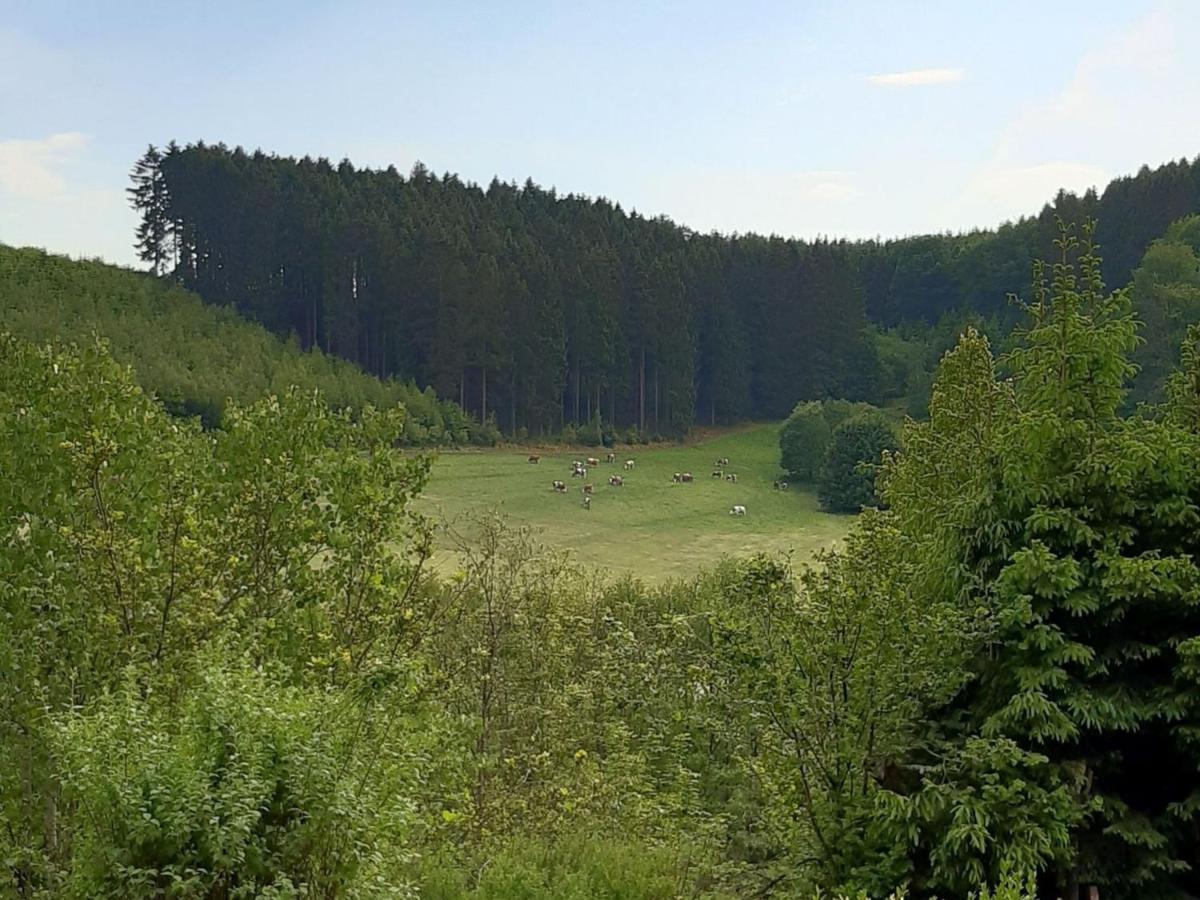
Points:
(241, 790)
(591, 432)
(847, 481)
(803, 440)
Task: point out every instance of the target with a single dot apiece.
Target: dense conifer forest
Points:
(542, 310)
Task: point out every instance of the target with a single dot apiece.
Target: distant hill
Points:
(194, 356)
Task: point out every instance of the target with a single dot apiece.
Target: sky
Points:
(849, 119)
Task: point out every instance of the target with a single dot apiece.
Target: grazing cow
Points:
(686, 476)
(587, 502)
(579, 472)
(610, 458)
(628, 464)
(587, 488)
(677, 478)
(737, 511)
(592, 461)
(716, 473)
(732, 476)
(723, 461)
(616, 480)
(534, 458)
(560, 486)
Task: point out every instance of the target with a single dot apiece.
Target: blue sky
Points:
(848, 119)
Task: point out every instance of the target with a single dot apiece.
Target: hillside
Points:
(193, 356)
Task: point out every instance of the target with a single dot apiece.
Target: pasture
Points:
(650, 527)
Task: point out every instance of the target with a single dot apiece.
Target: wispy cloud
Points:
(30, 168)
(1122, 106)
(917, 78)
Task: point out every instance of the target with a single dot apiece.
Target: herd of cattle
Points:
(579, 469)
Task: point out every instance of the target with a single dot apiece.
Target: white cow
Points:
(738, 510)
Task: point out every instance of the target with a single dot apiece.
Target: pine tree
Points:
(148, 196)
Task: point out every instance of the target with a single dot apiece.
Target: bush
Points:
(591, 432)
(847, 481)
(803, 440)
(240, 787)
(581, 867)
(485, 434)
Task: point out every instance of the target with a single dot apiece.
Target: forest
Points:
(540, 311)
(233, 673)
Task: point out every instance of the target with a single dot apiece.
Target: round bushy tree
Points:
(847, 479)
(803, 440)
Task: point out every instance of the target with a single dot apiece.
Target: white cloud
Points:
(32, 168)
(47, 200)
(1126, 103)
(916, 78)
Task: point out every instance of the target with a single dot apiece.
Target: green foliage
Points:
(227, 672)
(1165, 292)
(244, 788)
(986, 809)
(803, 441)
(824, 680)
(581, 867)
(136, 548)
(1070, 532)
(196, 358)
(856, 449)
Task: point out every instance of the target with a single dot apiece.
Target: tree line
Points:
(543, 310)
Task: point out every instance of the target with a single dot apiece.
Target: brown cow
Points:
(611, 458)
(616, 480)
(587, 488)
(686, 476)
(534, 458)
(592, 461)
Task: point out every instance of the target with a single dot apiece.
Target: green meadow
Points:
(650, 527)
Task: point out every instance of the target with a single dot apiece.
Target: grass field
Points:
(650, 527)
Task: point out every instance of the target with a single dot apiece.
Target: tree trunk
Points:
(642, 392)
(656, 395)
(575, 414)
